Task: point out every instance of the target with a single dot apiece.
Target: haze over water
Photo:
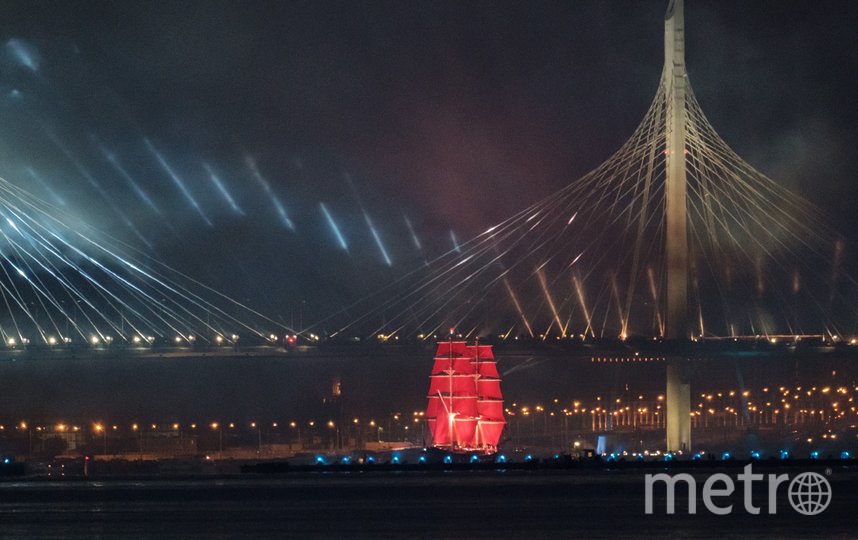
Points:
(393, 505)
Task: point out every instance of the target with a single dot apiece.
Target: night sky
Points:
(448, 116)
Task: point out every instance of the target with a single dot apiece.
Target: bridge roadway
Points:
(376, 379)
(597, 350)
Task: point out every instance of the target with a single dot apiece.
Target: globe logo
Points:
(809, 493)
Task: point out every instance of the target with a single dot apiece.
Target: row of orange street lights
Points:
(786, 397)
(103, 429)
(577, 406)
(830, 402)
(631, 412)
(99, 427)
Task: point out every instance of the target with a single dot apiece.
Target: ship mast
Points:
(477, 440)
(451, 414)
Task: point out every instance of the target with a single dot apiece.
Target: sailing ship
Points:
(465, 411)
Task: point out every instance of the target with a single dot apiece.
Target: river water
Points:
(596, 504)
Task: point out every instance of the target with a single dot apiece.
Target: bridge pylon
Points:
(675, 81)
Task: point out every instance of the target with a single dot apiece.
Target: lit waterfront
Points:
(801, 419)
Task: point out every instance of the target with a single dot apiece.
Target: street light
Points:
(219, 429)
(294, 425)
(24, 426)
(372, 423)
(100, 429)
(332, 425)
(258, 436)
(135, 428)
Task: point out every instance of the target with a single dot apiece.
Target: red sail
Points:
(489, 388)
(463, 405)
(457, 364)
(465, 408)
(458, 348)
(487, 369)
(440, 429)
(436, 407)
(466, 432)
(460, 385)
(490, 431)
(490, 409)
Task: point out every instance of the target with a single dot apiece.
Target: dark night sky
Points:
(454, 114)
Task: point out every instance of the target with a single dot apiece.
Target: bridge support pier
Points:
(674, 83)
(678, 402)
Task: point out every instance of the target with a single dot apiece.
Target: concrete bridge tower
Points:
(674, 84)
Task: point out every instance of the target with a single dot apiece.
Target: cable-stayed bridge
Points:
(64, 284)
(589, 260)
(674, 237)
(593, 258)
